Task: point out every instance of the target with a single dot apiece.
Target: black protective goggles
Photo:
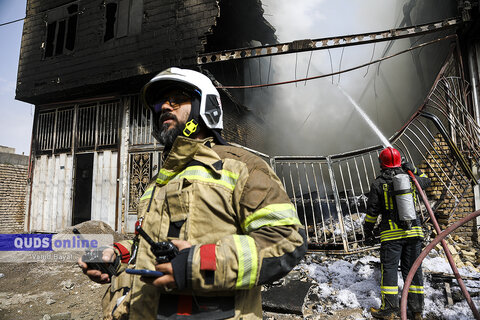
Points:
(175, 100)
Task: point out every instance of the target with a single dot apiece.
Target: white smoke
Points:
(314, 117)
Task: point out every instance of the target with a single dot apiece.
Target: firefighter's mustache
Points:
(167, 116)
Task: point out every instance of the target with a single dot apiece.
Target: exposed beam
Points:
(327, 43)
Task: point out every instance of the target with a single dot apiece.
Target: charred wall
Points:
(158, 34)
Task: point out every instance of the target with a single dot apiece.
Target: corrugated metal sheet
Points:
(104, 187)
(51, 208)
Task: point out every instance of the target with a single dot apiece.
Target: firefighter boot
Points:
(389, 309)
(414, 315)
(389, 313)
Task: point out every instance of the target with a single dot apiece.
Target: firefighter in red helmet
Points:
(392, 195)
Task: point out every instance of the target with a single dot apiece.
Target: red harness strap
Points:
(124, 253)
(208, 259)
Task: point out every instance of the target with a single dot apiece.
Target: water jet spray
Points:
(372, 125)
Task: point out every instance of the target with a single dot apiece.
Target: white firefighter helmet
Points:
(210, 106)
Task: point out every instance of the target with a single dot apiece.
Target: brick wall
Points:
(13, 190)
(448, 208)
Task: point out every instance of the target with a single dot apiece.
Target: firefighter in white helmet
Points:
(400, 232)
(221, 206)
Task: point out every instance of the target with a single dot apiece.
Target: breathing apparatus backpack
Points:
(404, 200)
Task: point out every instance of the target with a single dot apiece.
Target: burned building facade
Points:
(83, 63)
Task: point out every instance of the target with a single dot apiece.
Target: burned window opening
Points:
(51, 28)
(111, 18)
(61, 31)
(122, 18)
(60, 38)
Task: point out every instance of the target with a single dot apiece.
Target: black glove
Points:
(407, 166)
(369, 236)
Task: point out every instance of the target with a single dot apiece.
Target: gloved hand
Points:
(369, 237)
(407, 166)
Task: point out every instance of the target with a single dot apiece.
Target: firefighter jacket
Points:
(381, 202)
(244, 231)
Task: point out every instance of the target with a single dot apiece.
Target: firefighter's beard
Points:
(166, 135)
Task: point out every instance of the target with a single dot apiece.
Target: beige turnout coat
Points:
(230, 205)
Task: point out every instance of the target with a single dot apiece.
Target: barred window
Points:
(96, 127)
(140, 123)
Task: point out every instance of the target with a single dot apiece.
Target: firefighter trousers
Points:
(405, 251)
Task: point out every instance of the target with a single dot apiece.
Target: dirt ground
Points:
(60, 291)
(48, 291)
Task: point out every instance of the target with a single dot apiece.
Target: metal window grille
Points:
(86, 124)
(96, 126)
(140, 175)
(143, 167)
(64, 130)
(45, 131)
(140, 123)
(108, 114)
(54, 130)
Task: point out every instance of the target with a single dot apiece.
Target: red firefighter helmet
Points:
(390, 158)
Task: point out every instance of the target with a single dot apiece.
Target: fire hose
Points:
(439, 238)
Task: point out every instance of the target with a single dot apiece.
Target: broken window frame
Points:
(126, 21)
(61, 30)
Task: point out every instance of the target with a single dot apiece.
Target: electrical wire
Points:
(9, 22)
(341, 71)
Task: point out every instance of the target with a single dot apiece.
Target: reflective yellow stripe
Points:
(416, 289)
(247, 261)
(389, 290)
(397, 233)
(164, 176)
(385, 196)
(147, 194)
(393, 226)
(227, 179)
(282, 214)
(370, 219)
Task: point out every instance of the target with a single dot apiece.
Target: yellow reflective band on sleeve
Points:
(147, 194)
(247, 261)
(398, 233)
(389, 290)
(227, 179)
(416, 289)
(164, 176)
(283, 214)
(370, 219)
